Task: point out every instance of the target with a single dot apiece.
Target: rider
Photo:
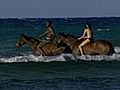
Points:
(50, 32)
(87, 35)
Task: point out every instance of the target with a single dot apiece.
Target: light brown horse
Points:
(99, 47)
(47, 48)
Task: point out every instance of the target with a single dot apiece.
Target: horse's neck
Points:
(31, 42)
(70, 42)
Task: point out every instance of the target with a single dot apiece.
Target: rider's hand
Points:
(79, 38)
(40, 36)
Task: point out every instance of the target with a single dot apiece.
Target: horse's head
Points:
(65, 38)
(21, 41)
(61, 38)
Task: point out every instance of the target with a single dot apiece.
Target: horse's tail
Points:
(112, 50)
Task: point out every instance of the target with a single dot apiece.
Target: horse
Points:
(39, 48)
(99, 47)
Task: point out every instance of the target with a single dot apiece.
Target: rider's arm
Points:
(43, 34)
(52, 31)
(82, 35)
(46, 32)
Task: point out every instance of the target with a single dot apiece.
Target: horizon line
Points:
(62, 17)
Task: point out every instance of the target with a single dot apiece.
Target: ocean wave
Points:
(62, 58)
(117, 49)
(103, 29)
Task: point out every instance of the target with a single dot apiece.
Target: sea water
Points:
(21, 70)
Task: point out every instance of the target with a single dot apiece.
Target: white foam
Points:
(62, 58)
(31, 57)
(107, 29)
(99, 29)
(103, 29)
(117, 49)
(100, 57)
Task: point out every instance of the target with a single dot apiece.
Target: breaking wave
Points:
(62, 58)
(103, 29)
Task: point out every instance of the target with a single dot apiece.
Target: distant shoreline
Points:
(55, 17)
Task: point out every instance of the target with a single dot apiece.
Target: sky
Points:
(59, 8)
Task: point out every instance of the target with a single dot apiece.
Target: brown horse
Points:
(99, 47)
(38, 47)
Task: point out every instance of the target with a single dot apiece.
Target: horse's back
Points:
(98, 47)
(103, 47)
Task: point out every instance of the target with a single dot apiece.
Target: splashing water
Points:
(60, 58)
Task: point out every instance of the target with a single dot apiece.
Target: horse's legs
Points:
(58, 51)
(40, 50)
(37, 53)
(83, 44)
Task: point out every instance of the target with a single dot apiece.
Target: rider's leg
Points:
(83, 44)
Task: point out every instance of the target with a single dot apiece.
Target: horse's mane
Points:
(67, 35)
